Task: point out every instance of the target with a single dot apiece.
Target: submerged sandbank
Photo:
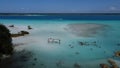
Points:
(86, 29)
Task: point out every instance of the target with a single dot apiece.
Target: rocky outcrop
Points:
(11, 25)
(24, 32)
(113, 63)
(76, 65)
(104, 66)
(29, 27)
(117, 54)
(21, 33)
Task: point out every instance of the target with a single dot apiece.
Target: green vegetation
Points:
(6, 47)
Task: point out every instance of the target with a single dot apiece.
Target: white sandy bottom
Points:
(65, 54)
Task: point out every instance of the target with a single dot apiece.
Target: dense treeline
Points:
(6, 47)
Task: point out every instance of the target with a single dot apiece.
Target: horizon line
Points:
(59, 13)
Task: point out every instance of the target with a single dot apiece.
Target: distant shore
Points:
(25, 14)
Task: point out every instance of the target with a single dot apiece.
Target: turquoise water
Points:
(69, 51)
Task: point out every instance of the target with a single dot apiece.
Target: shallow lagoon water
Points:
(69, 51)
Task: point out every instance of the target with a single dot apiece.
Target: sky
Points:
(59, 6)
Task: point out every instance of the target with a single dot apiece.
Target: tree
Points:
(6, 46)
